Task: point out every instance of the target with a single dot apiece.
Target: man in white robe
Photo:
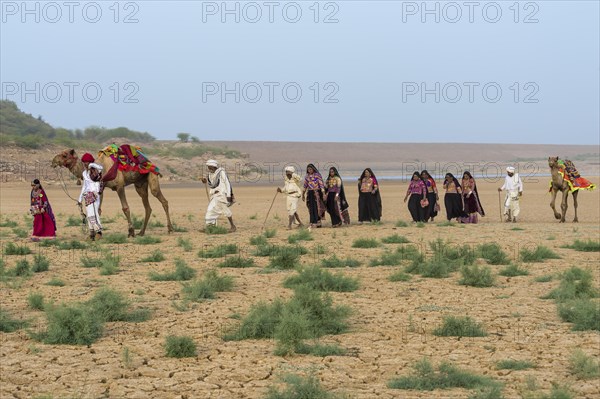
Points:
(220, 195)
(514, 191)
(90, 197)
(293, 193)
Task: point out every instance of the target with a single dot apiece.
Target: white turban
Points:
(213, 163)
(96, 166)
(510, 169)
(290, 169)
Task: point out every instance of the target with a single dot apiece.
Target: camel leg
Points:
(564, 205)
(125, 207)
(142, 191)
(155, 190)
(575, 205)
(553, 203)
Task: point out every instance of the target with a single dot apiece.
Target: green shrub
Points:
(237, 262)
(258, 240)
(155, 256)
(300, 235)
(22, 268)
(218, 251)
(493, 254)
(20, 233)
(8, 223)
(56, 282)
(179, 229)
(321, 280)
(292, 328)
(300, 388)
(585, 246)
(575, 283)
(91, 263)
(443, 251)
(513, 270)
(401, 223)
(583, 313)
(459, 327)
(446, 223)
(399, 276)
(207, 287)
(12, 249)
(285, 258)
(114, 238)
(543, 279)
(71, 325)
(110, 265)
(270, 233)
(8, 324)
(583, 366)
(182, 273)
(260, 322)
(40, 264)
(185, 244)
(35, 300)
(180, 347)
(510, 364)
(425, 378)
(476, 276)
(365, 243)
(108, 305)
(539, 254)
(387, 258)
(266, 250)
(73, 244)
(147, 240)
(74, 221)
(214, 229)
(410, 252)
(395, 239)
(334, 261)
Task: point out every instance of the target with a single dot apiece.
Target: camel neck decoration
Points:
(69, 159)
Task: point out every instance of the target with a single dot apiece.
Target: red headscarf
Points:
(87, 157)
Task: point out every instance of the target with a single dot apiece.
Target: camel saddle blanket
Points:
(569, 172)
(128, 158)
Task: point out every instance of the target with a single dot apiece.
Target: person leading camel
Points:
(220, 195)
(514, 191)
(90, 195)
(292, 191)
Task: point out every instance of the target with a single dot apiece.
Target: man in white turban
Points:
(514, 190)
(293, 193)
(220, 195)
(90, 197)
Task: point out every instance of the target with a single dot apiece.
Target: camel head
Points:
(553, 162)
(66, 159)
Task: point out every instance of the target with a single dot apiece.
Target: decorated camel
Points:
(141, 181)
(565, 179)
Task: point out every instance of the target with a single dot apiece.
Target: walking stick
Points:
(500, 206)
(206, 188)
(269, 211)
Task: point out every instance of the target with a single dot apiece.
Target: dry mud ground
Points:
(390, 327)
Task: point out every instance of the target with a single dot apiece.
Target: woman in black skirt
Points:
(432, 196)
(369, 199)
(453, 199)
(417, 190)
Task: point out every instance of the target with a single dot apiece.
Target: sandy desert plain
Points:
(390, 327)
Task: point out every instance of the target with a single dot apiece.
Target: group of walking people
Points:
(321, 195)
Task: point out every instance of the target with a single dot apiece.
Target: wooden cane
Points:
(500, 206)
(269, 211)
(206, 188)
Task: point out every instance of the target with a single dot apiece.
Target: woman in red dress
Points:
(44, 224)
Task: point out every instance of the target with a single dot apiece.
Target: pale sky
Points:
(377, 71)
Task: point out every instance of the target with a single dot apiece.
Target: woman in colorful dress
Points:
(90, 196)
(432, 196)
(44, 224)
(337, 206)
(417, 190)
(369, 198)
(471, 199)
(313, 183)
(453, 199)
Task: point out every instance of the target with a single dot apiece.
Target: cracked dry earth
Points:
(391, 323)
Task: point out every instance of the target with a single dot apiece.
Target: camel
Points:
(560, 184)
(70, 160)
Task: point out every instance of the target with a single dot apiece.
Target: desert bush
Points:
(237, 262)
(395, 239)
(8, 324)
(583, 366)
(285, 258)
(56, 282)
(476, 276)
(334, 261)
(179, 229)
(493, 254)
(73, 244)
(270, 233)
(20, 233)
(300, 235)
(260, 322)
(74, 221)
(214, 229)
(459, 327)
(425, 378)
(513, 270)
(298, 387)
(110, 305)
(71, 325)
(155, 256)
(147, 240)
(543, 279)
(12, 249)
(8, 223)
(180, 346)
(399, 276)
(387, 258)
(218, 251)
(88, 262)
(321, 280)
(292, 328)
(539, 254)
(40, 264)
(21, 269)
(258, 240)
(207, 287)
(444, 252)
(185, 244)
(401, 223)
(585, 246)
(35, 300)
(365, 243)
(446, 223)
(575, 283)
(182, 273)
(114, 238)
(110, 265)
(583, 313)
(510, 364)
